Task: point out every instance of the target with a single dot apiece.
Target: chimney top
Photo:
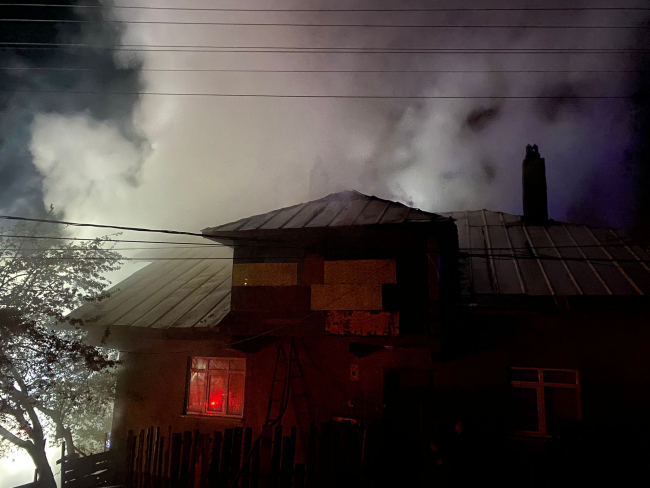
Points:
(532, 151)
(534, 187)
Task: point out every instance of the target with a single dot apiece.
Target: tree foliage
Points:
(50, 379)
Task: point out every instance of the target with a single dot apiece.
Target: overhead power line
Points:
(342, 97)
(34, 46)
(188, 245)
(237, 70)
(461, 254)
(441, 9)
(101, 239)
(176, 232)
(299, 24)
(103, 226)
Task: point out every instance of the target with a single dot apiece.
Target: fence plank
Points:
(128, 462)
(311, 458)
(166, 456)
(192, 462)
(255, 466)
(248, 440)
(149, 456)
(205, 461)
(175, 459)
(236, 452)
(198, 460)
(274, 476)
(138, 459)
(324, 457)
(335, 460)
(154, 458)
(213, 477)
(159, 463)
(185, 458)
(288, 454)
(226, 454)
(299, 476)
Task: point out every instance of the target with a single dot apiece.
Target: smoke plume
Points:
(64, 141)
(192, 162)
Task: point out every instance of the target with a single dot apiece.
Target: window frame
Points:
(539, 386)
(228, 373)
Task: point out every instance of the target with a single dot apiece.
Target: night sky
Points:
(189, 162)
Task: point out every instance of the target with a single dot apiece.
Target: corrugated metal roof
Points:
(517, 258)
(337, 209)
(190, 290)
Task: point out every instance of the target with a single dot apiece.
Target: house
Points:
(528, 335)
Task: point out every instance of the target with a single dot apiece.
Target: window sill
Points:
(212, 417)
(531, 436)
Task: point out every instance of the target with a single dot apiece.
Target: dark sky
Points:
(190, 162)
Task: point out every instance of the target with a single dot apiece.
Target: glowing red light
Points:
(213, 403)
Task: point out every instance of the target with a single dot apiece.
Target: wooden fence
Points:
(91, 471)
(233, 458)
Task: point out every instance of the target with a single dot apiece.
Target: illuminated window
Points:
(216, 387)
(547, 401)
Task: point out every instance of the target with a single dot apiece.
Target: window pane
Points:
(218, 364)
(197, 392)
(236, 394)
(198, 363)
(217, 397)
(237, 365)
(524, 375)
(560, 377)
(561, 410)
(525, 409)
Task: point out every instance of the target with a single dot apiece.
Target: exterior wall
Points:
(152, 384)
(610, 350)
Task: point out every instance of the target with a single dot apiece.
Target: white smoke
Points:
(219, 159)
(85, 163)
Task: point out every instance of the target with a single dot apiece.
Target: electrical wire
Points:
(441, 9)
(202, 48)
(341, 97)
(227, 70)
(298, 24)
(207, 236)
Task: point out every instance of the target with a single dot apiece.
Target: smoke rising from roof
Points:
(215, 160)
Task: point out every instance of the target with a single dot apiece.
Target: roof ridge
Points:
(343, 198)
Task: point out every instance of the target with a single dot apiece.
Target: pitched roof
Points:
(514, 258)
(335, 210)
(182, 288)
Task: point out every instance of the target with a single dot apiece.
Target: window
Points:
(547, 401)
(216, 387)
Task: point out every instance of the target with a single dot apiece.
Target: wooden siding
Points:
(265, 274)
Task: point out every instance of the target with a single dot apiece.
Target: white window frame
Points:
(539, 386)
(229, 374)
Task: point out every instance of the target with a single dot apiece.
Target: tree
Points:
(48, 375)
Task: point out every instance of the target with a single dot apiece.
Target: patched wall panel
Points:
(360, 271)
(346, 297)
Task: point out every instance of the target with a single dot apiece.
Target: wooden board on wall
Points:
(289, 301)
(346, 297)
(362, 323)
(264, 274)
(360, 271)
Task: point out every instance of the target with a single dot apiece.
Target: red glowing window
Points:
(216, 387)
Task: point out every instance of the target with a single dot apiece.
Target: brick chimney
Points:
(534, 186)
